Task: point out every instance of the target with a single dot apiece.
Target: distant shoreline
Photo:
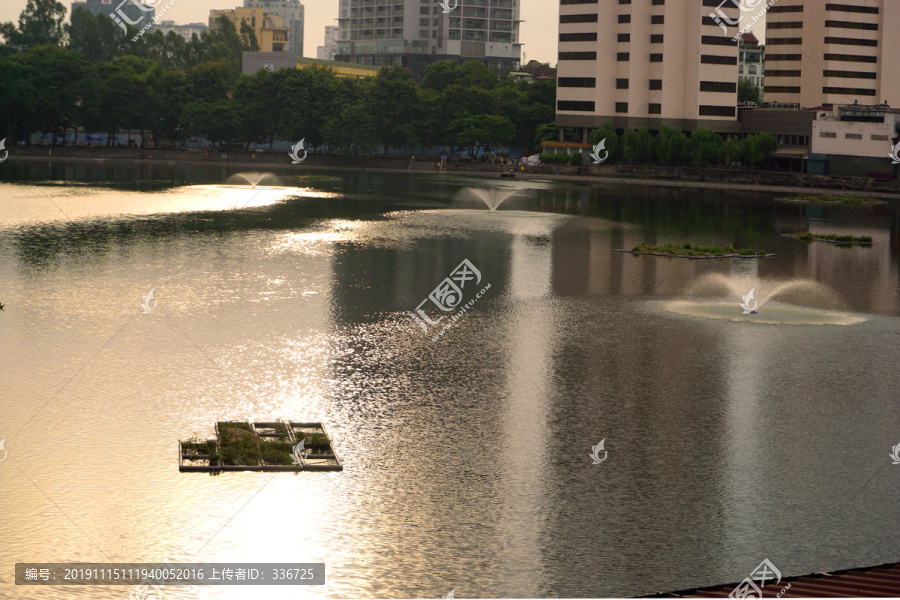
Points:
(611, 175)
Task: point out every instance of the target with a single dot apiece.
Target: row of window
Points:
(854, 136)
(654, 84)
(828, 56)
(844, 91)
(655, 57)
(653, 109)
(798, 41)
(852, 8)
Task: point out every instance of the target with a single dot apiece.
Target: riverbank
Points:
(671, 177)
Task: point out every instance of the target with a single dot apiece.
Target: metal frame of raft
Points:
(307, 463)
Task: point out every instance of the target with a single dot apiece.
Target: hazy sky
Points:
(539, 29)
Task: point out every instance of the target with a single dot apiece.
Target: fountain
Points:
(799, 301)
(253, 179)
(492, 197)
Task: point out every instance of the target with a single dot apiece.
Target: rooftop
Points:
(867, 582)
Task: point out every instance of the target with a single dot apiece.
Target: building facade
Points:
(326, 52)
(270, 30)
(752, 62)
(252, 62)
(646, 63)
(185, 31)
(293, 14)
(833, 52)
(856, 130)
(416, 33)
(133, 12)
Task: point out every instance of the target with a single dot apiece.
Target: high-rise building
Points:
(133, 12)
(645, 63)
(830, 53)
(326, 52)
(752, 62)
(185, 31)
(416, 33)
(293, 14)
(271, 32)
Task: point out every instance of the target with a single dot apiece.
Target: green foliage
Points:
(704, 146)
(576, 160)
(747, 92)
(806, 236)
(670, 145)
(694, 250)
(546, 132)
(636, 143)
(612, 145)
(554, 159)
(40, 24)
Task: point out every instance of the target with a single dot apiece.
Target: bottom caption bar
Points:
(170, 574)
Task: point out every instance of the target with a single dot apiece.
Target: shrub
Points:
(554, 159)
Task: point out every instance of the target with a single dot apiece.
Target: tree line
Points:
(90, 74)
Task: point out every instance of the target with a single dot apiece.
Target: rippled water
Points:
(466, 459)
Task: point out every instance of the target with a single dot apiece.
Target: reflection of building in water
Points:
(371, 281)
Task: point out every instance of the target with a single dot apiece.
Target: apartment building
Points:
(293, 14)
(752, 62)
(416, 33)
(644, 63)
(831, 53)
(270, 29)
(186, 31)
(326, 52)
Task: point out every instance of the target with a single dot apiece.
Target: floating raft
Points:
(262, 446)
(866, 202)
(835, 242)
(697, 257)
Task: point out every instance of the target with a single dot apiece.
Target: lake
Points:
(728, 438)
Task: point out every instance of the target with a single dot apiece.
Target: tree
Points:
(351, 128)
(636, 144)
(704, 146)
(40, 24)
(474, 131)
(248, 37)
(747, 92)
(548, 132)
(96, 38)
(306, 99)
(732, 150)
(218, 121)
(394, 99)
(608, 133)
(669, 145)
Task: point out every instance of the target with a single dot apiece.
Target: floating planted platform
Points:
(260, 446)
(830, 199)
(695, 251)
(840, 240)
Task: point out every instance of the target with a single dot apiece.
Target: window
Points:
(621, 107)
(828, 134)
(654, 109)
(621, 84)
(575, 106)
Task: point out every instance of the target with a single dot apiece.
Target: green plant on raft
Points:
(276, 453)
(239, 445)
(693, 250)
(806, 236)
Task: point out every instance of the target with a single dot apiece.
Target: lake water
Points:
(466, 459)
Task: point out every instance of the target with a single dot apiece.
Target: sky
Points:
(538, 33)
